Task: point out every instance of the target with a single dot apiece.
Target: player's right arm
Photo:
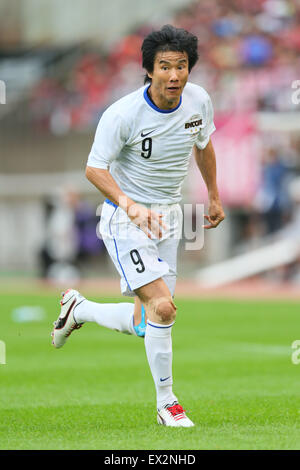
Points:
(108, 186)
(144, 218)
(111, 136)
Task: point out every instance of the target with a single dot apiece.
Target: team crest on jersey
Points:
(193, 124)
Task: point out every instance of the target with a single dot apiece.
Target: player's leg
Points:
(161, 312)
(76, 310)
(128, 318)
(115, 316)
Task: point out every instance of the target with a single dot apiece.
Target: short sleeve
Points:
(209, 126)
(109, 140)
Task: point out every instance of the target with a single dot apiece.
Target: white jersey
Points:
(147, 149)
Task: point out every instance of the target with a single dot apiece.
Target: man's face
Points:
(169, 76)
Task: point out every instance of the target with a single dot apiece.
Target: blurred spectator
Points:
(256, 50)
(85, 222)
(70, 236)
(273, 200)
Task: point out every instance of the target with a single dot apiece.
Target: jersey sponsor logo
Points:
(197, 123)
(148, 133)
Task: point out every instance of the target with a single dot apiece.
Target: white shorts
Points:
(138, 259)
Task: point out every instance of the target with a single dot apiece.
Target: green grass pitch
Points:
(232, 371)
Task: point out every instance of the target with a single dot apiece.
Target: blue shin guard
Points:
(141, 327)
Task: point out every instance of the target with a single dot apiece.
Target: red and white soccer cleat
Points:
(173, 415)
(66, 323)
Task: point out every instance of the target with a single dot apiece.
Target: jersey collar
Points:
(153, 106)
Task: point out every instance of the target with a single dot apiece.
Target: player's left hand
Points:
(215, 214)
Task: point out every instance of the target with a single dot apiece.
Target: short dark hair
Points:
(168, 38)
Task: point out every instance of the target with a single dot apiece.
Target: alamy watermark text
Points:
(2, 92)
(2, 353)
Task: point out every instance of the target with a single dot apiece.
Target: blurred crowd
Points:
(249, 51)
(249, 57)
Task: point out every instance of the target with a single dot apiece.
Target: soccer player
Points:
(140, 157)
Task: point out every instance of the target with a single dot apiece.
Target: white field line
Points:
(269, 349)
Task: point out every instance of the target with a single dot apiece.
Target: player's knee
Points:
(166, 311)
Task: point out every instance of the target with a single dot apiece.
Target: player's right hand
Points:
(148, 220)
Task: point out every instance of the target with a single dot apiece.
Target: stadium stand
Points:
(249, 56)
(249, 60)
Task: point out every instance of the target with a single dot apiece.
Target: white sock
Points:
(114, 316)
(158, 345)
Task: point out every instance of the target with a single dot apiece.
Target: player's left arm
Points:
(206, 161)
